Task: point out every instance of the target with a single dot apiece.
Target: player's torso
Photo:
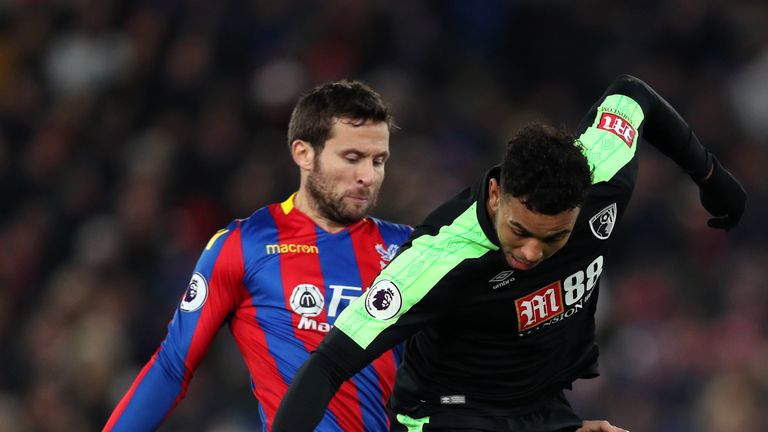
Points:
(518, 332)
(307, 279)
(299, 278)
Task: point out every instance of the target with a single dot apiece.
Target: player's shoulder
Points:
(259, 221)
(394, 227)
(257, 228)
(256, 235)
(389, 224)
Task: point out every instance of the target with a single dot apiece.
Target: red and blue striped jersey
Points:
(279, 281)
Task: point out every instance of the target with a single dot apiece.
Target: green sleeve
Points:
(413, 274)
(610, 142)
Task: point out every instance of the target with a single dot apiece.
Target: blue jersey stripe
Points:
(339, 267)
(267, 316)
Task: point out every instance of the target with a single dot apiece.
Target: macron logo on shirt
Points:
(291, 247)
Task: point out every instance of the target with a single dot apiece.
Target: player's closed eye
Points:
(521, 234)
(555, 239)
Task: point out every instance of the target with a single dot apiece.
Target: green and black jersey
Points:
(481, 337)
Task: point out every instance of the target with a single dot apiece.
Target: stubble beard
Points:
(331, 205)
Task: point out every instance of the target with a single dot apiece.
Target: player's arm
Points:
(334, 361)
(599, 426)
(417, 288)
(209, 298)
(630, 108)
(356, 340)
(392, 310)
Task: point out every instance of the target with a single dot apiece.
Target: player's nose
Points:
(365, 172)
(532, 250)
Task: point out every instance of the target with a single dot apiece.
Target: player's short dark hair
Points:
(313, 116)
(546, 168)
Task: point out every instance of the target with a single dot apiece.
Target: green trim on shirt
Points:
(414, 273)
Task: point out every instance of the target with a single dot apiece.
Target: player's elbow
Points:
(634, 88)
(172, 365)
(628, 84)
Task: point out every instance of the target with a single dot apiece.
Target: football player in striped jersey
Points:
(280, 277)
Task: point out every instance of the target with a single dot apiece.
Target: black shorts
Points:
(553, 416)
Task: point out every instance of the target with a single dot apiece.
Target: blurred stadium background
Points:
(130, 131)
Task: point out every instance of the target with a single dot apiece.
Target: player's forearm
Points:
(152, 396)
(665, 128)
(334, 361)
(307, 399)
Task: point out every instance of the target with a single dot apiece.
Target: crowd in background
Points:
(130, 131)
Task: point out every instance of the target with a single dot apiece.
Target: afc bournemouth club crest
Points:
(602, 223)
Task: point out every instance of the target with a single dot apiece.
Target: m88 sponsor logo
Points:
(558, 300)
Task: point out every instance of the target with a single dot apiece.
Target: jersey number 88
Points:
(574, 285)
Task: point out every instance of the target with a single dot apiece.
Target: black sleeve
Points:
(334, 361)
(663, 127)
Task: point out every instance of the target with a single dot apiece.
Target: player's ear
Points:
(303, 154)
(494, 196)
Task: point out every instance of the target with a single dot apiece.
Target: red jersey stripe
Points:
(118, 412)
(292, 230)
(225, 280)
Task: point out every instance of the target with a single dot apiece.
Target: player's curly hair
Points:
(313, 116)
(546, 169)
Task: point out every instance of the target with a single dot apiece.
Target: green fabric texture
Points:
(605, 150)
(416, 271)
(413, 425)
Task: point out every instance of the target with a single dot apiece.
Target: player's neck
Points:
(305, 204)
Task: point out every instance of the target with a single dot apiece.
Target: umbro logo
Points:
(453, 400)
(502, 279)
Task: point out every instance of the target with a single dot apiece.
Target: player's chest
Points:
(561, 291)
(316, 280)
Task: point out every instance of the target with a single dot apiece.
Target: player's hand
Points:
(598, 426)
(722, 196)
